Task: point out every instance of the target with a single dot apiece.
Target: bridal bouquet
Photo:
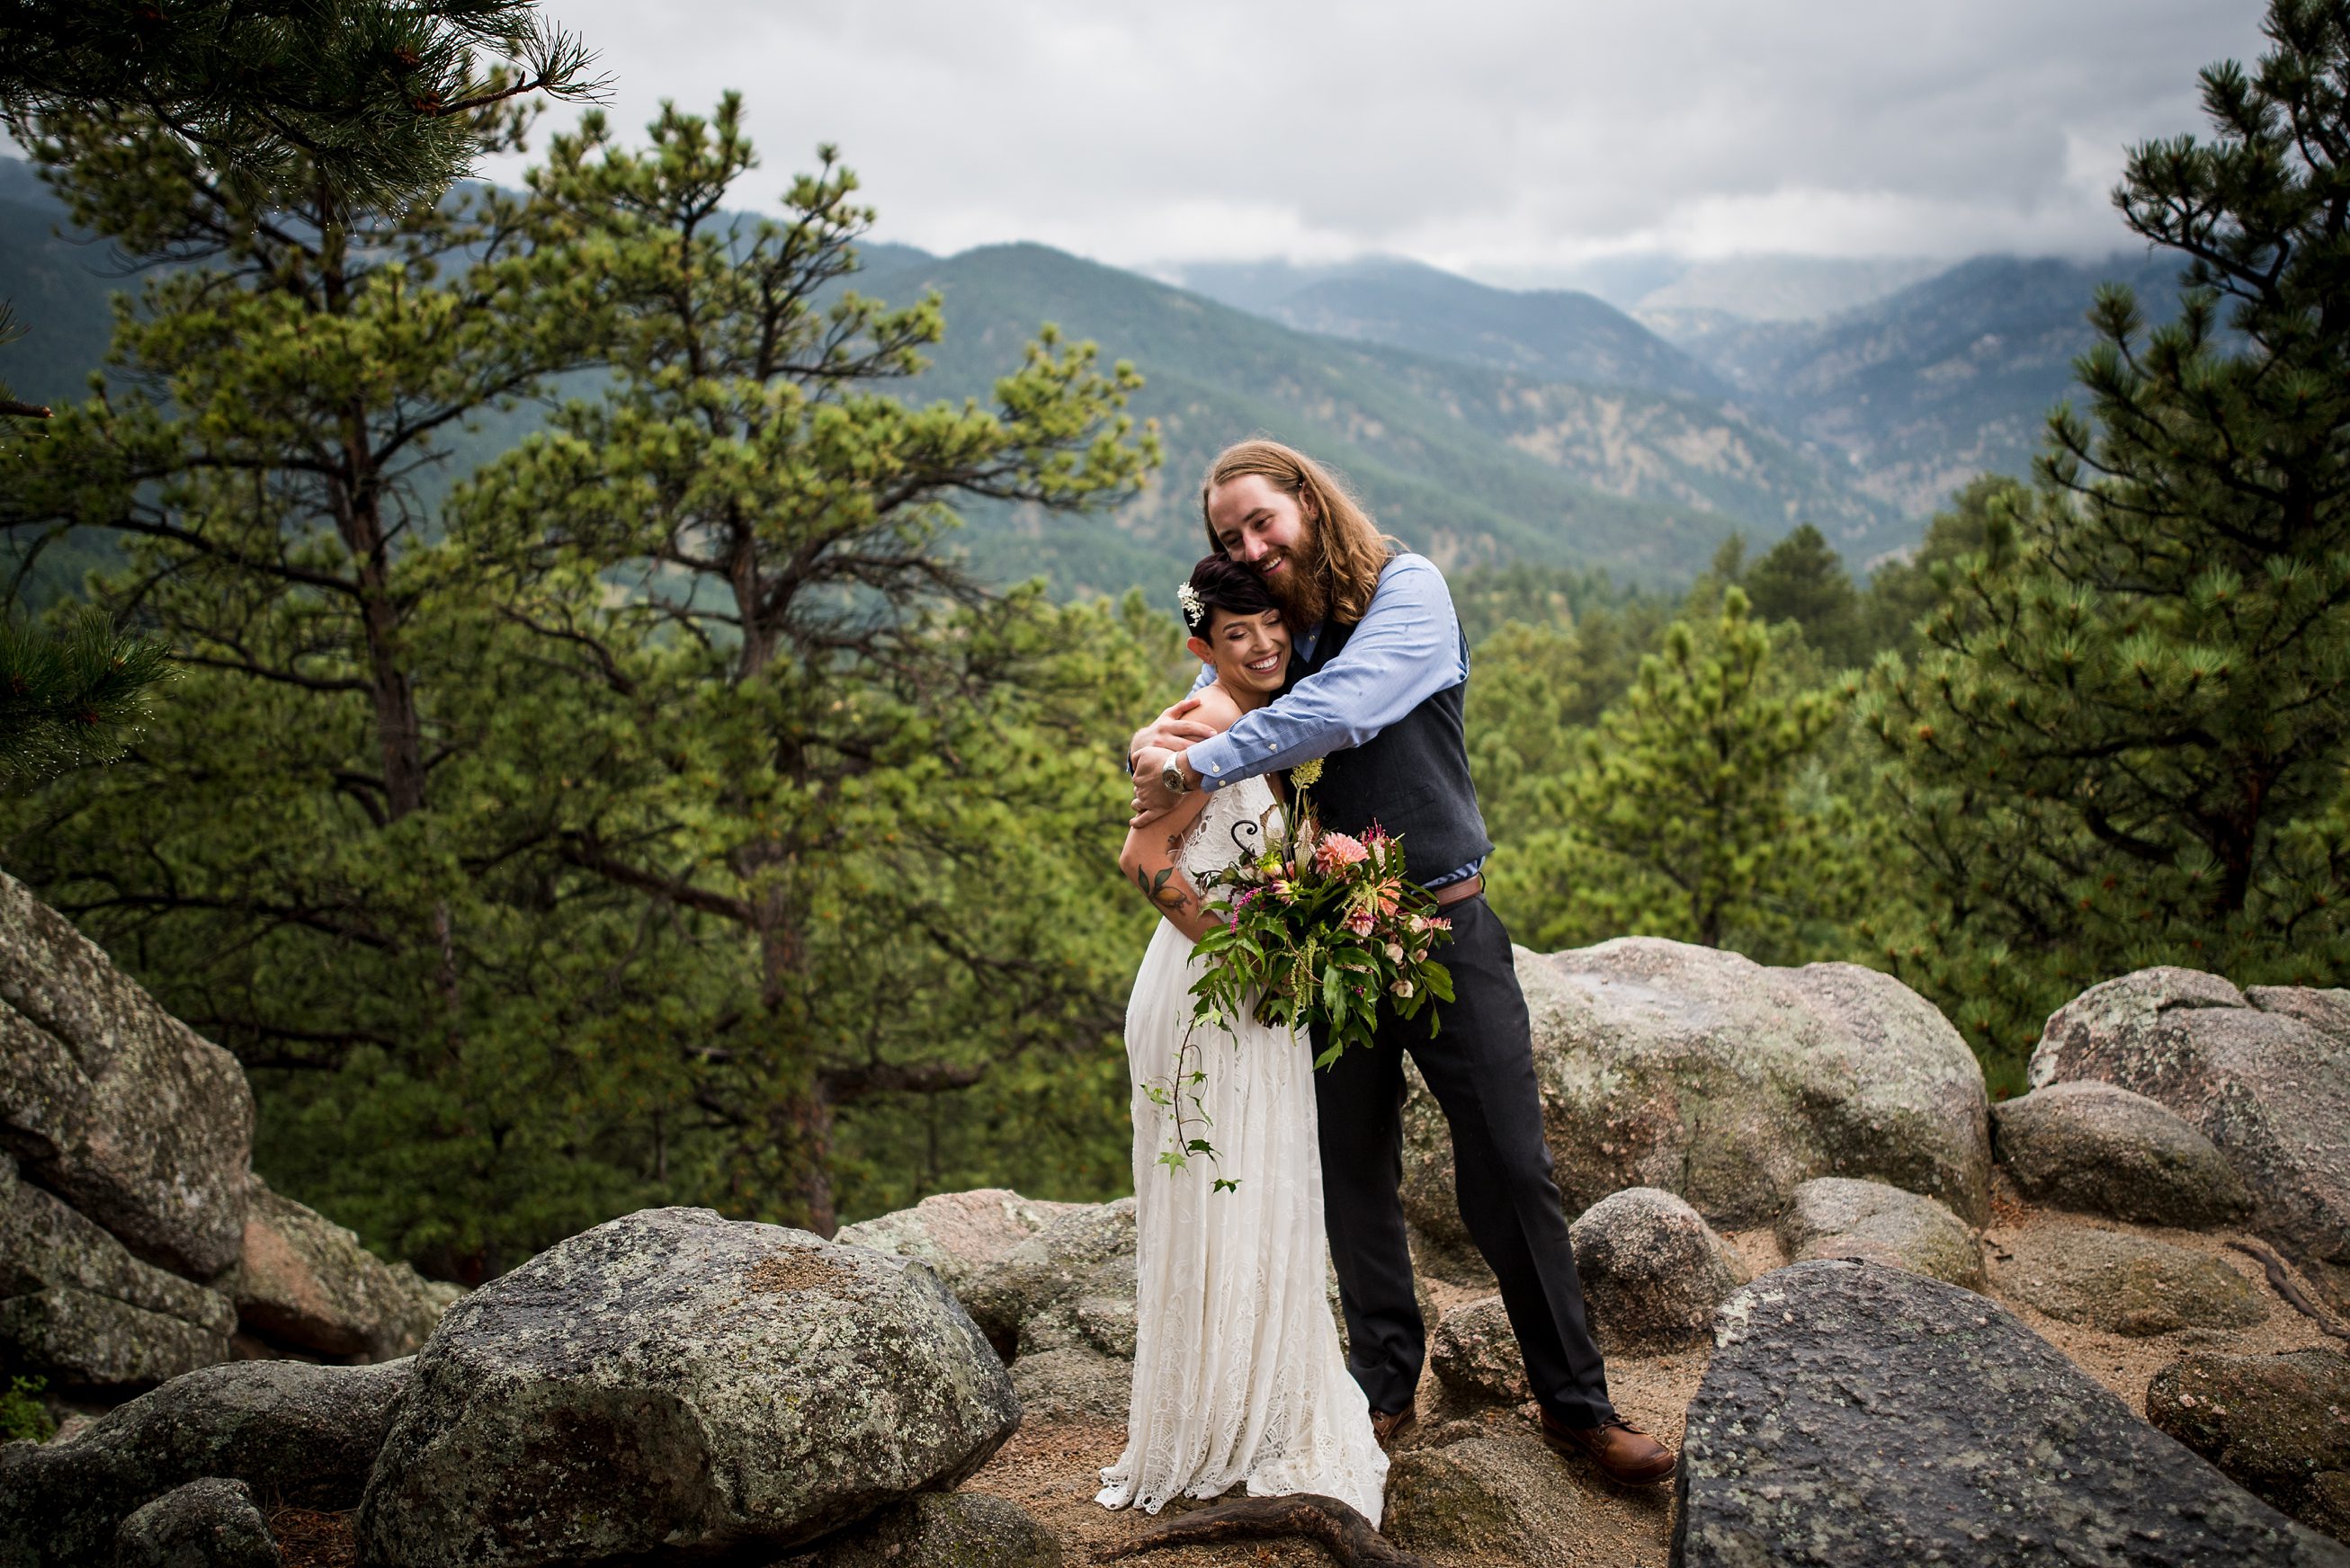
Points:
(1318, 930)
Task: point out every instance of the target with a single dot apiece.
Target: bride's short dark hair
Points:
(1220, 583)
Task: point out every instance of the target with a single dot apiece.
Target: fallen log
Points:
(1345, 1534)
(2290, 1288)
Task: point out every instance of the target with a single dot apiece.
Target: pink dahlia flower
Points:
(1337, 850)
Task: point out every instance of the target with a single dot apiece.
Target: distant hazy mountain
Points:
(1936, 382)
(1785, 288)
(1551, 335)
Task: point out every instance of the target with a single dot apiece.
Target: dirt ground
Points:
(1052, 1469)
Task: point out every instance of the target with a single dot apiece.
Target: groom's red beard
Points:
(1298, 588)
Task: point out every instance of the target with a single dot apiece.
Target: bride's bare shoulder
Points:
(1216, 710)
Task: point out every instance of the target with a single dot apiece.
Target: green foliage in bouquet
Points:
(1319, 929)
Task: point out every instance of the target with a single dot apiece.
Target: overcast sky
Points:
(1490, 136)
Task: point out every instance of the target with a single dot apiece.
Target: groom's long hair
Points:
(1347, 551)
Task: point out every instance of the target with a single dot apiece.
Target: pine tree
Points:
(1801, 578)
(447, 833)
(378, 100)
(844, 745)
(1903, 593)
(1686, 815)
(375, 98)
(2124, 742)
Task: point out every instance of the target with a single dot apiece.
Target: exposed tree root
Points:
(2290, 1288)
(1347, 1536)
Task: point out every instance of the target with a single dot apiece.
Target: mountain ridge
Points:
(1484, 424)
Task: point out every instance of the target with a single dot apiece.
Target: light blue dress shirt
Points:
(1407, 647)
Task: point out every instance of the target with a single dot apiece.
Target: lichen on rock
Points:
(1727, 1083)
(114, 1105)
(2125, 1283)
(2264, 1073)
(304, 1281)
(291, 1432)
(1855, 1415)
(2277, 1424)
(673, 1382)
(208, 1524)
(1836, 1217)
(958, 1235)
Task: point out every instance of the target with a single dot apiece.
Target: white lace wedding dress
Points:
(1238, 1377)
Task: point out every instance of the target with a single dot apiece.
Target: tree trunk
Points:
(400, 733)
(802, 1129)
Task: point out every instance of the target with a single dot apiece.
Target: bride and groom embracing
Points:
(1321, 638)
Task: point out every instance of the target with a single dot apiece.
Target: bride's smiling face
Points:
(1251, 653)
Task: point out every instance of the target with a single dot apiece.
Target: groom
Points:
(1376, 687)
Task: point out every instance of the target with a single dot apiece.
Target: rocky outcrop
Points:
(1727, 1083)
(1036, 1297)
(207, 1523)
(1858, 1415)
(2278, 1424)
(941, 1530)
(1652, 1270)
(959, 1235)
(291, 1432)
(77, 1309)
(112, 1102)
(1059, 1306)
(2263, 1073)
(303, 1282)
(1867, 1222)
(2101, 1149)
(2125, 1283)
(1495, 1497)
(1076, 1384)
(45, 1245)
(1474, 1354)
(679, 1383)
(94, 1342)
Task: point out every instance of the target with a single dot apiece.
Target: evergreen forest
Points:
(511, 666)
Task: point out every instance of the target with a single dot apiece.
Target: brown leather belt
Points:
(1453, 892)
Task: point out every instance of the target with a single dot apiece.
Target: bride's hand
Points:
(1170, 732)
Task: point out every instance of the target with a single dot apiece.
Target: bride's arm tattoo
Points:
(1162, 890)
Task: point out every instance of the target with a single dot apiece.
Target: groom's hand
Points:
(1152, 798)
(1170, 732)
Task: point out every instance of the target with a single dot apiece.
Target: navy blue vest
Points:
(1411, 778)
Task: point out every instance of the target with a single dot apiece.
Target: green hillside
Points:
(1468, 463)
(1456, 460)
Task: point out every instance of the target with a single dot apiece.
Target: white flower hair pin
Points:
(1193, 610)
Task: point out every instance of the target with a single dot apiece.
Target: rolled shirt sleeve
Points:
(1406, 649)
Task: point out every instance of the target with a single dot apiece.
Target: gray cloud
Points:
(1495, 136)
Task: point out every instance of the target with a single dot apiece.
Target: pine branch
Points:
(72, 700)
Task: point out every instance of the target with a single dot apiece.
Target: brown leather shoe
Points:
(1389, 1426)
(1625, 1454)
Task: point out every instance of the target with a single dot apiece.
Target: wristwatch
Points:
(1171, 777)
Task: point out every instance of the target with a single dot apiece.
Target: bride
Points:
(1238, 1377)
